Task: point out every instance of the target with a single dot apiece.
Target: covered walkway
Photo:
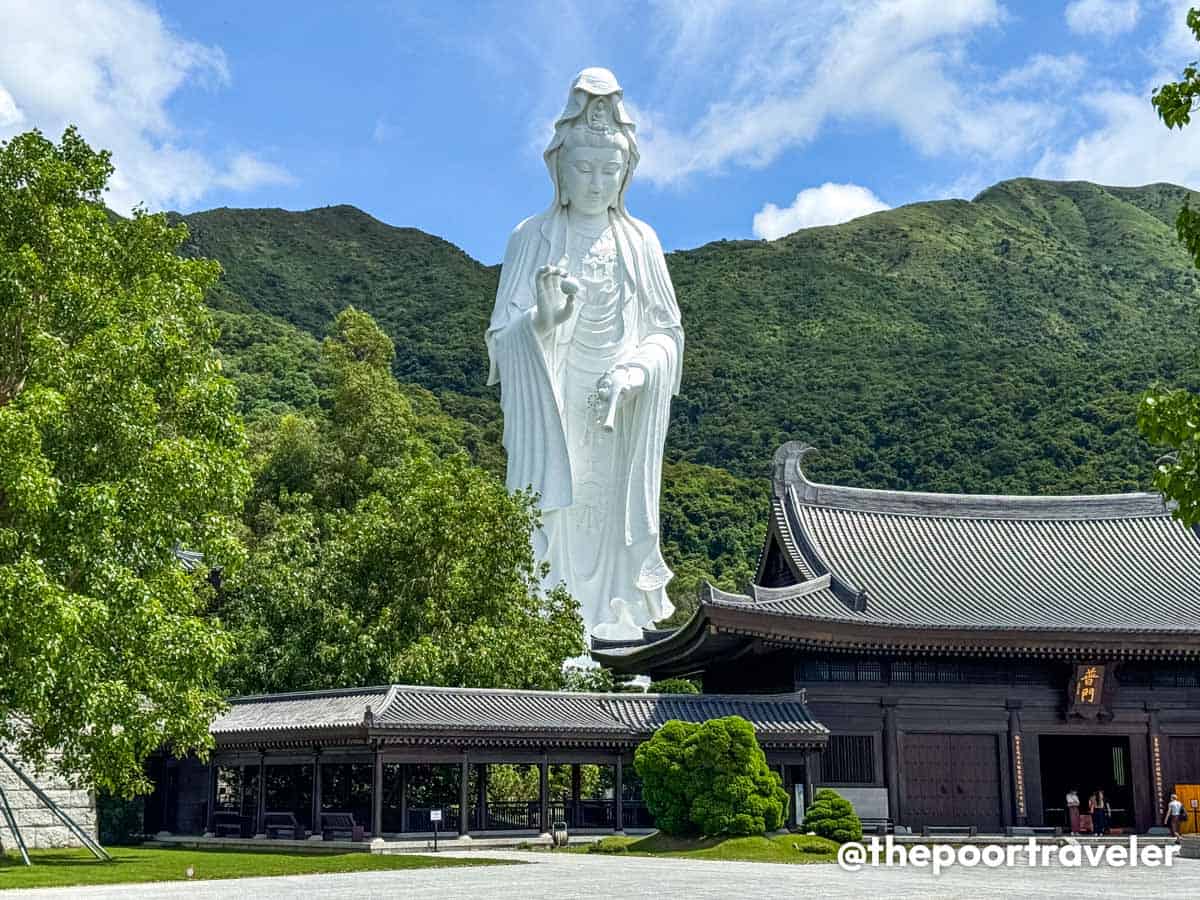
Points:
(358, 764)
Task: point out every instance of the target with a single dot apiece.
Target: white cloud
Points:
(1106, 18)
(9, 113)
(782, 78)
(829, 204)
(246, 172)
(1130, 146)
(1178, 44)
(111, 67)
(1045, 71)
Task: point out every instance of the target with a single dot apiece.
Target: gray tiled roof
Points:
(921, 572)
(1082, 563)
(416, 709)
(280, 712)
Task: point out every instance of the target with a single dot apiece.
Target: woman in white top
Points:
(1073, 810)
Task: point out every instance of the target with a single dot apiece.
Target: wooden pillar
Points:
(316, 793)
(481, 780)
(891, 760)
(377, 795)
(576, 795)
(1016, 749)
(261, 805)
(464, 796)
(618, 797)
(241, 790)
(810, 778)
(210, 824)
(403, 797)
(544, 795)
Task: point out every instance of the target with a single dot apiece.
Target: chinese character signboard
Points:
(1088, 697)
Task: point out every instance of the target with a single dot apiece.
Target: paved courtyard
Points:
(562, 876)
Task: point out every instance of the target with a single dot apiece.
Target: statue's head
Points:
(594, 150)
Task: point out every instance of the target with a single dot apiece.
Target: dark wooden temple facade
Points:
(974, 657)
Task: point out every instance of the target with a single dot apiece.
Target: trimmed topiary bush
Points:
(673, 686)
(814, 847)
(831, 816)
(710, 779)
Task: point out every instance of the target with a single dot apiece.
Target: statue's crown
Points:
(597, 80)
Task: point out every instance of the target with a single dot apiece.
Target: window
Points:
(1159, 675)
(848, 669)
(849, 759)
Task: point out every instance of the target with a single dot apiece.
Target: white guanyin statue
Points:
(586, 343)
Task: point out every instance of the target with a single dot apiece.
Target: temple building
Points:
(939, 659)
(973, 657)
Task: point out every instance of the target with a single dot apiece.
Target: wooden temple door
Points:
(951, 779)
(1185, 781)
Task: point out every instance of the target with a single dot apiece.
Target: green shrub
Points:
(814, 847)
(674, 686)
(710, 779)
(831, 816)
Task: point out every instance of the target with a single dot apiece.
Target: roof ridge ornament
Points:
(786, 470)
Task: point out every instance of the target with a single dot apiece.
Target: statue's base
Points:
(624, 630)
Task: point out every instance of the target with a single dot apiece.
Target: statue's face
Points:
(590, 178)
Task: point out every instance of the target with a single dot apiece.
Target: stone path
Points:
(568, 876)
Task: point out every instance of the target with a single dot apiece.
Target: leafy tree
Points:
(674, 686)
(710, 779)
(379, 552)
(830, 815)
(511, 783)
(120, 442)
(1171, 418)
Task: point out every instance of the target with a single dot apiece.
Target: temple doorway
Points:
(1085, 764)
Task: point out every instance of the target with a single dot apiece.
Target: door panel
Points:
(1188, 793)
(951, 779)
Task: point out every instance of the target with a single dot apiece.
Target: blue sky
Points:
(755, 117)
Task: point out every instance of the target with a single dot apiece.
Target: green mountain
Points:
(995, 345)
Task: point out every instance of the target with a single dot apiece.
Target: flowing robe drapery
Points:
(530, 370)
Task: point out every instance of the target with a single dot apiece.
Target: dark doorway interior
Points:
(1085, 763)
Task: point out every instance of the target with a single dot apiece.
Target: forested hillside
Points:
(995, 345)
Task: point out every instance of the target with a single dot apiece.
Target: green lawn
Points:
(63, 868)
(785, 848)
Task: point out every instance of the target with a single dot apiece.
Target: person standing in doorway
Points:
(1073, 810)
(1174, 815)
(1099, 809)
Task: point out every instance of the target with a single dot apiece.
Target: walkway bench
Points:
(282, 825)
(336, 825)
(949, 831)
(879, 826)
(231, 824)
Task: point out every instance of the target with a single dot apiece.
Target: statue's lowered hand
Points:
(615, 385)
(555, 291)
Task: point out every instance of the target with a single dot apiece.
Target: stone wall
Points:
(40, 827)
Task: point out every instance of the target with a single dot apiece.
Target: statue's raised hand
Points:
(555, 294)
